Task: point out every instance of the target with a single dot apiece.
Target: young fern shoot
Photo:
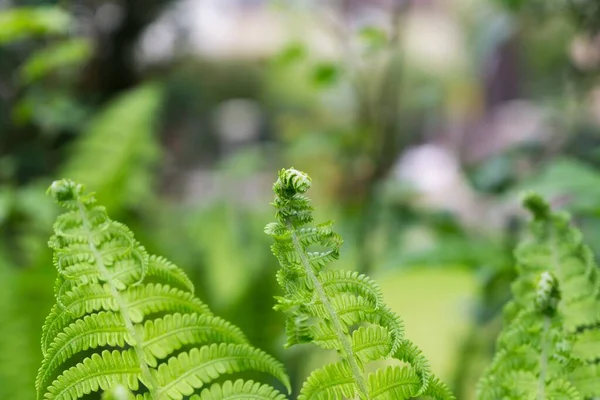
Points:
(125, 320)
(341, 310)
(533, 358)
(550, 346)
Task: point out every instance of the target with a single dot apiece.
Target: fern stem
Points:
(546, 329)
(337, 325)
(543, 361)
(122, 305)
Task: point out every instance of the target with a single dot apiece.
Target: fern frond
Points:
(551, 326)
(126, 319)
(338, 309)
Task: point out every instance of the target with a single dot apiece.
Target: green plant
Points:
(339, 309)
(550, 346)
(128, 323)
(123, 317)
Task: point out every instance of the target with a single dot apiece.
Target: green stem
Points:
(337, 325)
(148, 378)
(543, 360)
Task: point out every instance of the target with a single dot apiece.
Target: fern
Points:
(115, 154)
(124, 318)
(339, 310)
(550, 346)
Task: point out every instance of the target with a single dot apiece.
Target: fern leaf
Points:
(340, 281)
(181, 375)
(586, 380)
(438, 390)
(167, 272)
(129, 320)
(239, 390)
(371, 343)
(92, 331)
(333, 381)
(394, 383)
(298, 331)
(163, 336)
(100, 371)
(143, 300)
(337, 309)
(564, 390)
(587, 347)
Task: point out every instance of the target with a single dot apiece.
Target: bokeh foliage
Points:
(184, 151)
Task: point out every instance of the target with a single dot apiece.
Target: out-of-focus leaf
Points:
(572, 182)
(7, 167)
(493, 173)
(513, 5)
(373, 37)
(294, 52)
(325, 74)
(51, 111)
(6, 202)
(21, 23)
(63, 54)
(115, 155)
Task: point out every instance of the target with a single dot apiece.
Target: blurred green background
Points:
(420, 122)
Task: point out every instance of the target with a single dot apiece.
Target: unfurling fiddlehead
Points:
(127, 320)
(339, 310)
(550, 345)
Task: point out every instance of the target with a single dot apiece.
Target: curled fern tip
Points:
(536, 205)
(292, 180)
(67, 193)
(547, 294)
(65, 190)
